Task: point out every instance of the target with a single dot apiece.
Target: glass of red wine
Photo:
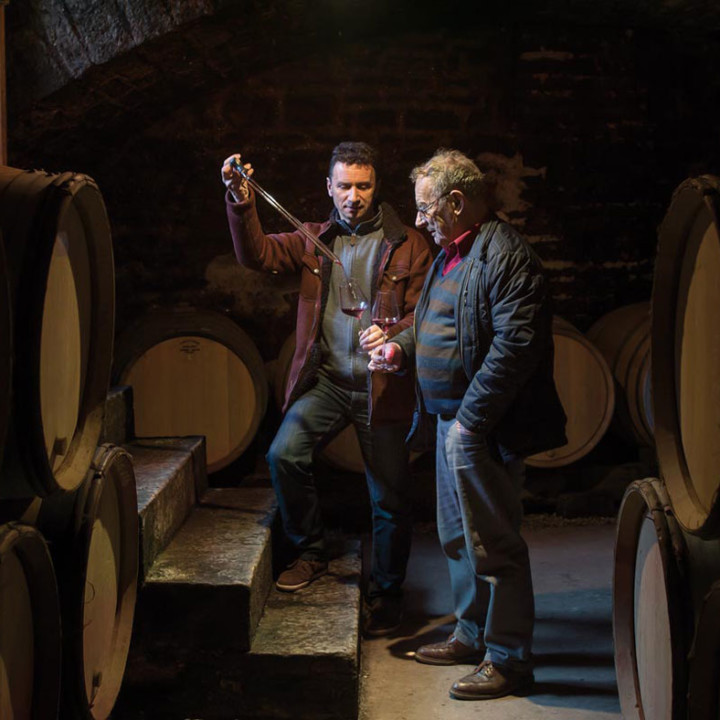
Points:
(385, 313)
(353, 301)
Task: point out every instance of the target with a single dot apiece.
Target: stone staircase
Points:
(213, 639)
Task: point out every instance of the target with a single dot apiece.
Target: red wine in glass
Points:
(385, 323)
(352, 299)
(355, 311)
(353, 302)
(385, 314)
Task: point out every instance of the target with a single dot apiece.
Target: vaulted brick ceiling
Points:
(142, 52)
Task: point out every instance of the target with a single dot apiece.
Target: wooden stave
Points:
(565, 455)
(692, 199)
(628, 356)
(32, 551)
(35, 203)
(69, 521)
(160, 325)
(648, 403)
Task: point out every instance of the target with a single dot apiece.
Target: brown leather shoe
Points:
(448, 652)
(300, 574)
(489, 681)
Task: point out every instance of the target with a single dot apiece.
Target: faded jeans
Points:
(479, 513)
(310, 423)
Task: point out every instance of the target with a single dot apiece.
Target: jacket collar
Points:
(393, 229)
(478, 250)
(482, 239)
(364, 228)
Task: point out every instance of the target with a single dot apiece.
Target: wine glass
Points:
(352, 300)
(385, 313)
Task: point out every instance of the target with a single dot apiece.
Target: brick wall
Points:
(588, 129)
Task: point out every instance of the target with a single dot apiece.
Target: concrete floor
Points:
(572, 565)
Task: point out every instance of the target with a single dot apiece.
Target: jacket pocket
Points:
(395, 279)
(396, 274)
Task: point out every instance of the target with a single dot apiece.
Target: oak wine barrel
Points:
(95, 548)
(30, 645)
(194, 372)
(59, 257)
(623, 337)
(661, 576)
(686, 354)
(587, 392)
(343, 451)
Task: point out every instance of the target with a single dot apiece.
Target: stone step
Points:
(304, 660)
(302, 663)
(200, 606)
(207, 589)
(170, 475)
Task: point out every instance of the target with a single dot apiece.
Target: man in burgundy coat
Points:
(329, 385)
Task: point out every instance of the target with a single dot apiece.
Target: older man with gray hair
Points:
(483, 350)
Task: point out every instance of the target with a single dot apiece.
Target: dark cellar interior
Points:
(588, 114)
(591, 113)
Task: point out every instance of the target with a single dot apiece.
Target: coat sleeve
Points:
(406, 340)
(277, 253)
(516, 302)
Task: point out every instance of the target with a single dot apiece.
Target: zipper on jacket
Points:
(460, 313)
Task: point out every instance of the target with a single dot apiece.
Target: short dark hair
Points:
(354, 153)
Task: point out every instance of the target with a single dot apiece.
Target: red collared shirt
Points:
(459, 248)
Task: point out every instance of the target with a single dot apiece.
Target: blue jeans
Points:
(479, 514)
(311, 422)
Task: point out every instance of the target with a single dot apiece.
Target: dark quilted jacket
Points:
(504, 326)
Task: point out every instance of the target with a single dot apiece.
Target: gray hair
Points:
(451, 170)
